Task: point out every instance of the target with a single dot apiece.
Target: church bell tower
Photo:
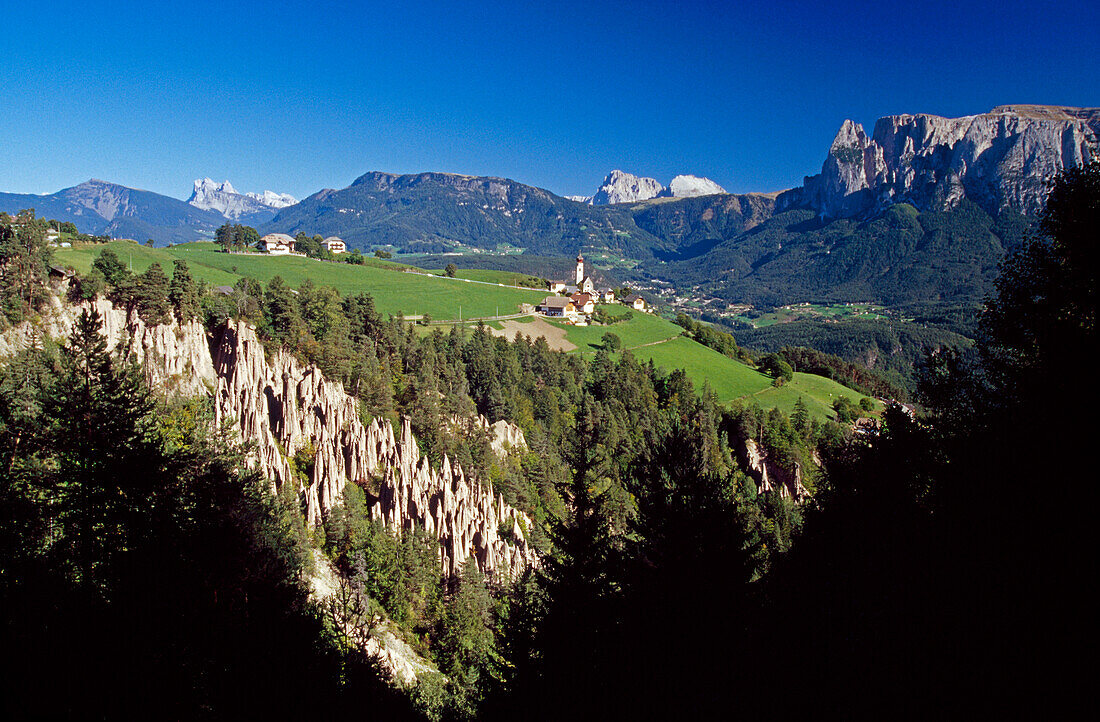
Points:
(580, 269)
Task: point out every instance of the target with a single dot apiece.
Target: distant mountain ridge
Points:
(998, 161)
(437, 212)
(99, 207)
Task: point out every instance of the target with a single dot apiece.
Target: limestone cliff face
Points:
(1000, 160)
(285, 406)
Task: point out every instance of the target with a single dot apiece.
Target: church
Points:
(581, 283)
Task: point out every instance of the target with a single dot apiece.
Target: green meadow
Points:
(642, 328)
(393, 290)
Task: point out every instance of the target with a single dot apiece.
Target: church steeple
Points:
(580, 269)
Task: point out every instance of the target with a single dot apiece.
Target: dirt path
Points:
(554, 336)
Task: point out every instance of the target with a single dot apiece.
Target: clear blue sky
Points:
(296, 97)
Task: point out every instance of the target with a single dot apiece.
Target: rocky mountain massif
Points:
(282, 407)
(621, 187)
(999, 160)
(919, 212)
(248, 208)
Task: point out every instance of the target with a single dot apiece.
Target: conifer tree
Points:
(113, 269)
(183, 293)
(150, 296)
(106, 454)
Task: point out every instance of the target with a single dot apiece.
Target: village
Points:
(576, 302)
(573, 301)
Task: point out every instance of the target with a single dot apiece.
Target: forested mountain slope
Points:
(434, 212)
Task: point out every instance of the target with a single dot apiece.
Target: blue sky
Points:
(296, 97)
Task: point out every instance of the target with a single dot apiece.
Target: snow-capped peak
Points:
(210, 195)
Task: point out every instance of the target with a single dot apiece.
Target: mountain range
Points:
(919, 211)
(101, 208)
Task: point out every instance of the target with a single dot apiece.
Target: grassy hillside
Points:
(647, 336)
(653, 338)
(642, 328)
(393, 291)
(730, 379)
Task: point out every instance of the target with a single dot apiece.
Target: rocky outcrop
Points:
(1000, 160)
(223, 198)
(503, 436)
(283, 407)
(690, 186)
(379, 641)
(286, 407)
(620, 187)
(175, 357)
(771, 476)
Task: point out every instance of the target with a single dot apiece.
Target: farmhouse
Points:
(606, 295)
(635, 301)
(557, 306)
(583, 302)
(278, 243)
(335, 244)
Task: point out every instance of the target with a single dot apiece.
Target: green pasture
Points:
(647, 336)
(817, 392)
(728, 378)
(393, 290)
(643, 328)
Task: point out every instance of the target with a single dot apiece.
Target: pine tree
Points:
(151, 296)
(183, 293)
(24, 262)
(114, 270)
(801, 416)
(106, 454)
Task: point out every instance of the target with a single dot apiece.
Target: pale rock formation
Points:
(223, 198)
(1000, 160)
(284, 407)
(770, 476)
(689, 186)
(397, 657)
(175, 356)
(503, 436)
(271, 199)
(620, 187)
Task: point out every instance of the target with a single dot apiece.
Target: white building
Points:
(335, 245)
(278, 243)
